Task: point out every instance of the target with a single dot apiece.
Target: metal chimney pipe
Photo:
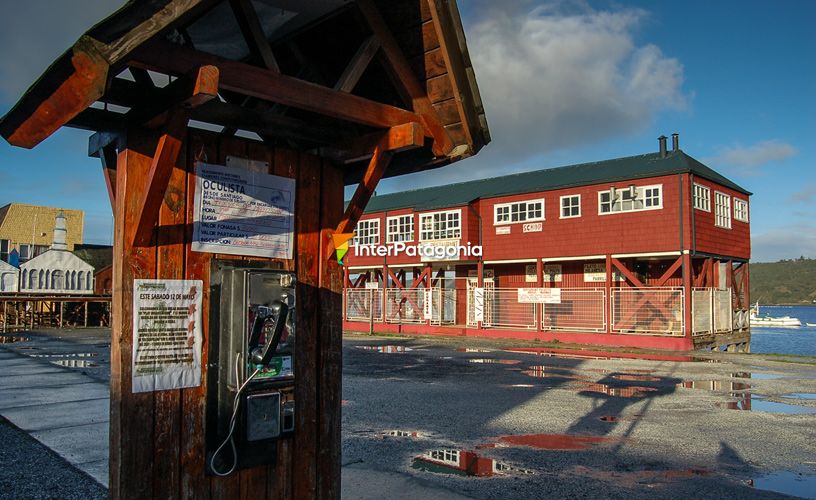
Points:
(675, 142)
(662, 141)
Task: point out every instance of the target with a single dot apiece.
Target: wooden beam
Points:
(670, 271)
(196, 88)
(108, 157)
(253, 32)
(355, 69)
(404, 77)
(399, 138)
(264, 84)
(376, 168)
(627, 273)
(161, 167)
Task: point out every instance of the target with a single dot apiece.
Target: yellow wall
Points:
(20, 223)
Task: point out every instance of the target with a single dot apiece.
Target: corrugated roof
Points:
(615, 170)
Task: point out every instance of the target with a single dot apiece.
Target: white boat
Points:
(772, 321)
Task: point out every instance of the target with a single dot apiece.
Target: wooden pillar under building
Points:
(85, 315)
(608, 293)
(157, 441)
(687, 295)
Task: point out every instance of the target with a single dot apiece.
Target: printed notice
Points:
(241, 212)
(166, 334)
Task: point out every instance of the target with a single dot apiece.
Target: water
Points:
(800, 341)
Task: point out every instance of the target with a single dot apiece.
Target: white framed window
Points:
(632, 199)
(701, 195)
(367, 232)
(440, 225)
(740, 210)
(722, 210)
(520, 211)
(400, 228)
(570, 206)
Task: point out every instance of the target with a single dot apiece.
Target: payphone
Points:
(250, 390)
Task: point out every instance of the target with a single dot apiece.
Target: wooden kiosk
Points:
(324, 92)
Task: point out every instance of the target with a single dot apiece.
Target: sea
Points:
(801, 341)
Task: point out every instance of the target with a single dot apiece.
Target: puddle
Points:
(495, 361)
(525, 386)
(608, 418)
(75, 363)
(789, 483)
(387, 349)
(617, 392)
(635, 377)
(638, 478)
(603, 355)
(470, 349)
(398, 433)
(801, 395)
(463, 463)
(555, 441)
(756, 376)
(13, 340)
(549, 372)
(759, 404)
(66, 355)
(714, 385)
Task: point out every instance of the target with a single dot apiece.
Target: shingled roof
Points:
(584, 174)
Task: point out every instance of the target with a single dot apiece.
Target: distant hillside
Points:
(784, 282)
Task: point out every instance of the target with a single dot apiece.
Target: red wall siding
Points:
(734, 242)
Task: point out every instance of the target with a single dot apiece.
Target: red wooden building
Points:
(649, 250)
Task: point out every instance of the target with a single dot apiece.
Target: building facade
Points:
(30, 229)
(650, 250)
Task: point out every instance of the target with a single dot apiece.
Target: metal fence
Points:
(405, 305)
(652, 311)
(702, 313)
(723, 309)
(503, 310)
(360, 302)
(443, 310)
(580, 310)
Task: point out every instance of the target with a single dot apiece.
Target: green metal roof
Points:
(584, 174)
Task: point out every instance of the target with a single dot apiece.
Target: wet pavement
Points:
(488, 421)
(456, 418)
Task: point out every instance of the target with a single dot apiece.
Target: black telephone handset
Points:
(277, 311)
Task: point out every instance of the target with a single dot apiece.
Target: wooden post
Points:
(687, 289)
(540, 284)
(157, 442)
(85, 321)
(61, 308)
(608, 293)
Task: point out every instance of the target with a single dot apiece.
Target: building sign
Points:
(440, 250)
(597, 273)
(427, 308)
(533, 227)
(539, 295)
(503, 230)
(243, 212)
(372, 285)
(166, 334)
(553, 273)
(530, 273)
(478, 304)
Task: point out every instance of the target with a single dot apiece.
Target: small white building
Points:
(9, 276)
(57, 271)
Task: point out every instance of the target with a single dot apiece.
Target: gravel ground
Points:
(668, 436)
(29, 470)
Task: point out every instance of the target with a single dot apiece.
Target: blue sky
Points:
(562, 82)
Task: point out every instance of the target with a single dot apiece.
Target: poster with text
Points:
(243, 212)
(166, 334)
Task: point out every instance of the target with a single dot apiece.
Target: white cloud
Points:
(785, 242)
(563, 74)
(806, 195)
(749, 159)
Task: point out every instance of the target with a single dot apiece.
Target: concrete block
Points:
(59, 415)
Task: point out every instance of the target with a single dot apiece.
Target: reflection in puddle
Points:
(463, 463)
(555, 441)
(608, 418)
(756, 376)
(617, 392)
(398, 433)
(550, 372)
(75, 363)
(748, 403)
(790, 483)
(714, 385)
(603, 355)
(495, 361)
(471, 349)
(13, 340)
(66, 355)
(388, 349)
(801, 395)
(635, 377)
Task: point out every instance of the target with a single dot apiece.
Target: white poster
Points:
(539, 295)
(478, 304)
(243, 212)
(553, 273)
(597, 273)
(427, 306)
(166, 334)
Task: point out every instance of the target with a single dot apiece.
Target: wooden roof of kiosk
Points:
(340, 91)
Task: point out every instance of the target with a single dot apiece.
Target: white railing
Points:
(503, 310)
(648, 311)
(360, 302)
(580, 310)
(405, 305)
